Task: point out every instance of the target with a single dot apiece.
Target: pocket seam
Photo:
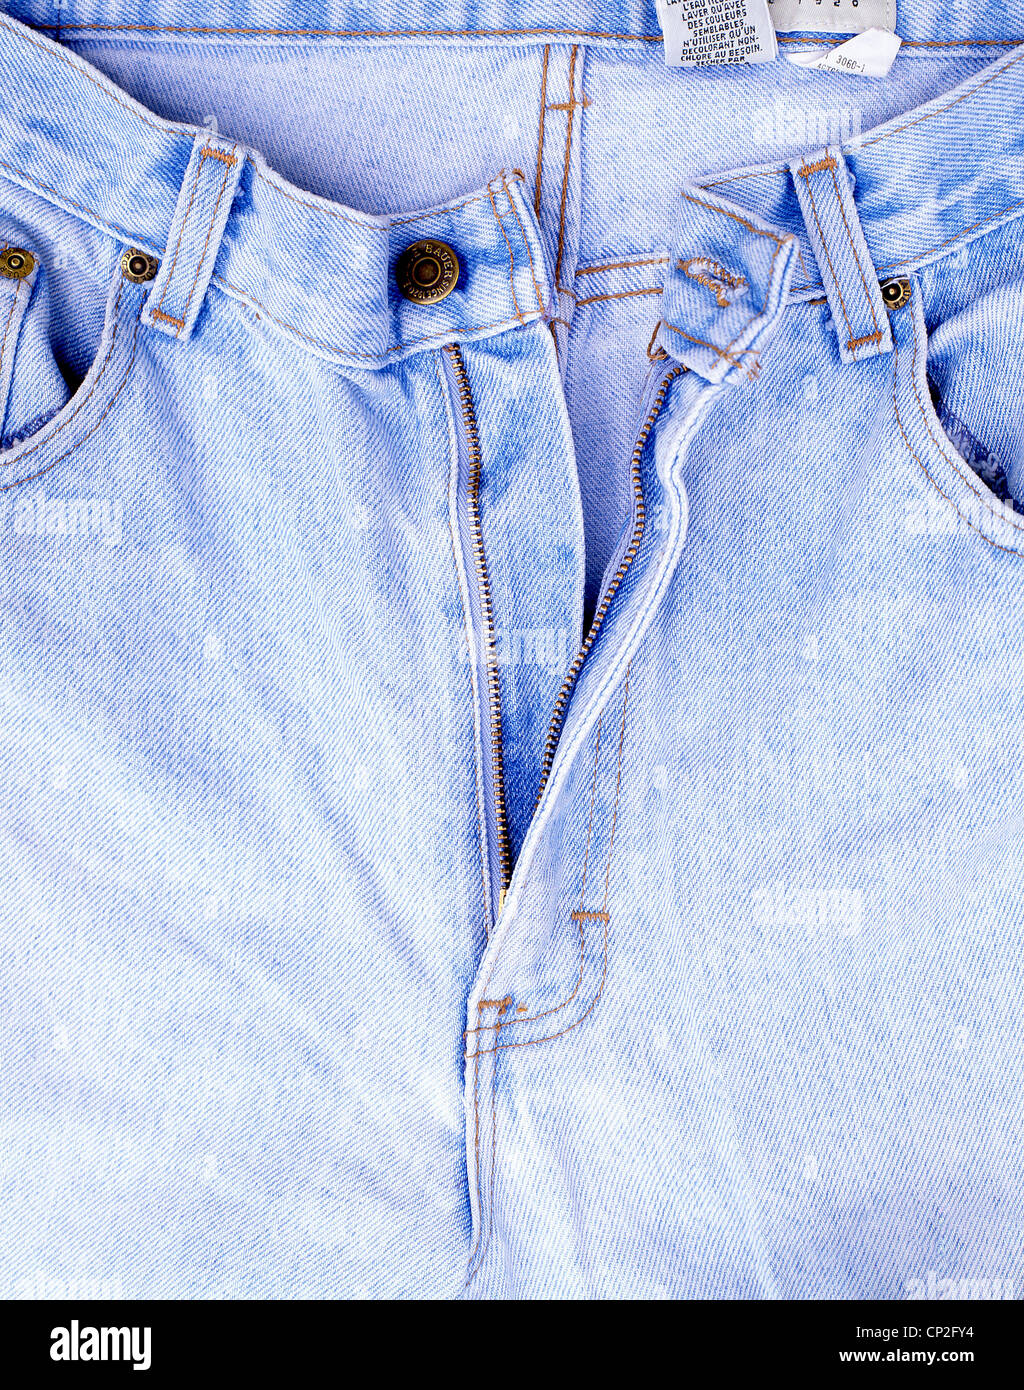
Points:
(68, 420)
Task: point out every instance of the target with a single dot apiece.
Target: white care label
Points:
(701, 32)
(831, 16)
(870, 54)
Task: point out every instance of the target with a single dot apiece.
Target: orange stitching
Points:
(719, 352)
(753, 316)
(540, 132)
(593, 796)
(479, 33)
(622, 294)
(208, 152)
(526, 240)
(583, 102)
(511, 258)
(328, 211)
(948, 107)
(713, 276)
(11, 463)
(878, 334)
(891, 265)
(366, 356)
(565, 172)
(7, 326)
(181, 230)
(724, 213)
(615, 819)
(481, 1244)
(888, 134)
(88, 435)
(557, 1008)
(601, 915)
(206, 244)
(159, 314)
(48, 49)
(661, 353)
(621, 265)
(828, 257)
(828, 162)
(1007, 549)
(854, 343)
(385, 33)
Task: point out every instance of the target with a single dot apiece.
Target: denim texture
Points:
(744, 1021)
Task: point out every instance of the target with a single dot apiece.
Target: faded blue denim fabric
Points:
(518, 796)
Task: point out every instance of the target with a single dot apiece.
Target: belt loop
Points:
(200, 217)
(825, 191)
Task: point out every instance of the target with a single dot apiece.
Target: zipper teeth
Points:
(487, 611)
(639, 521)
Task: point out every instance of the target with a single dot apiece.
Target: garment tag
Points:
(831, 16)
(701, 32)
(870, 54)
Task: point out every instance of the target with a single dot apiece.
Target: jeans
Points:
(512, 779)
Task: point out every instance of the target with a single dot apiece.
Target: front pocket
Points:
(44, 420)
(965, 487)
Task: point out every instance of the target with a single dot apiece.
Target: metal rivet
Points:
(895, 293)
(16, 263)
(427, 271)
(139, 266)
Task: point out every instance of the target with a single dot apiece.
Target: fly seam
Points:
(10, 315)
(557, 1008)
(569, 118)
(579, 917)
(511, 257)
(481, 1243)
(540, 131)
(526, 241)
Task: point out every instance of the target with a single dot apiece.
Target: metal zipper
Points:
(493, 748)
(628, 555)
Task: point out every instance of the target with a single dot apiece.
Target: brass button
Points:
(16, 263)
(895, 293)
(427, 271)
(138, 266)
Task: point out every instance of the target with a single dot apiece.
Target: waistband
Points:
(600, 22)
(923, 183)
(324, 273)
